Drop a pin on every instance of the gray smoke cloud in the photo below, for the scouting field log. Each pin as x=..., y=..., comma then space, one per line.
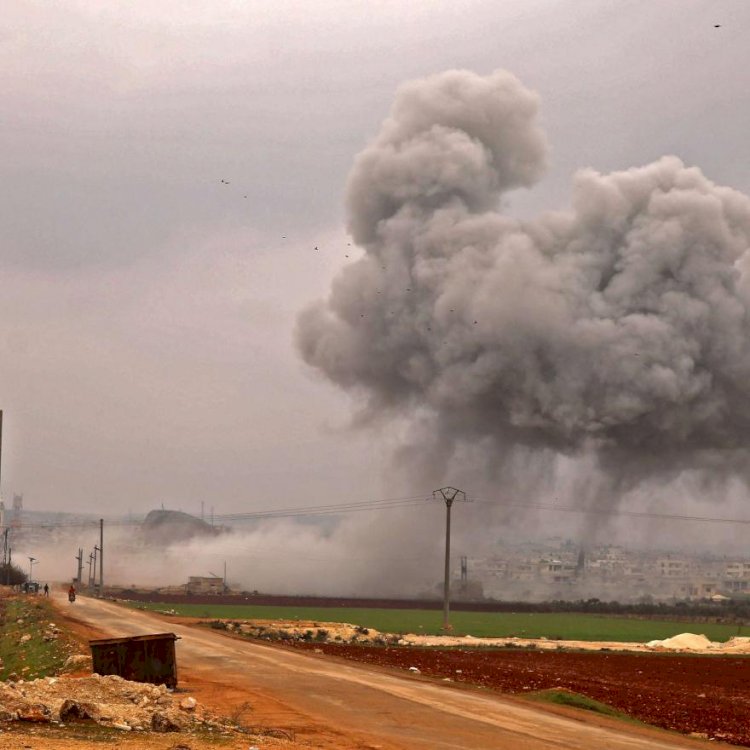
x=616, y=327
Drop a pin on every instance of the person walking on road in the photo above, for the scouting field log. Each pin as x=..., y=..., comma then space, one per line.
x=46, y=589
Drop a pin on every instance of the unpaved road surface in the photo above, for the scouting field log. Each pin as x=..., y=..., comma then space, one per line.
x=332, y=704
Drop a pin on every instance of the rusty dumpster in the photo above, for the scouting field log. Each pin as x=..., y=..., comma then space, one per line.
x=141, y=658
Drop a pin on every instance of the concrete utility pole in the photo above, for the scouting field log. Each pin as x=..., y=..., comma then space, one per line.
x=96, y=559
x=79, y=567
x=92, y=567
x=32, y=560
x=448, y=494
x=1, y=451
x=101, y=557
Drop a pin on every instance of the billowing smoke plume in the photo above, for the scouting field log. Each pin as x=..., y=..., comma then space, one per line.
x=618, y=326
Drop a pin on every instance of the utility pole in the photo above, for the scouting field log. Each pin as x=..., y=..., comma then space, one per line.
x=92, y=564
x=32, y=560
x=1, y=451
x=96, y=558
x=79, y=567
x=449, y=495
x=101, y=557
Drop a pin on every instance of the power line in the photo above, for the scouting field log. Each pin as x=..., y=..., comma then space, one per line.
x=630, y=513
x=395, y=503
x=328, y=509
x=290, y=512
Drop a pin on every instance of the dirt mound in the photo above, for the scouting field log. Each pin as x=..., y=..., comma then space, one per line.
x=692, y=642
x=683, y=642
x=303, y=630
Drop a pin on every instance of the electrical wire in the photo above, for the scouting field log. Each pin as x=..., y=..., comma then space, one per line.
x=328, y=509
x=628, y=513
x=395, y=503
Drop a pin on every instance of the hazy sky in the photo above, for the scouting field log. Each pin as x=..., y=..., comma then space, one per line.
x=147, y=308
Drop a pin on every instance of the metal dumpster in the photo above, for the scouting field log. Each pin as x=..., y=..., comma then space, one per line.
x=142, y=658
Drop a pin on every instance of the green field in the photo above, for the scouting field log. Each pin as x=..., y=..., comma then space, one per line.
x=566, y=626
x=35, y=657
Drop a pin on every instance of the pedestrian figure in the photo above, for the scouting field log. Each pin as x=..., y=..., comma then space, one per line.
x=46, y=590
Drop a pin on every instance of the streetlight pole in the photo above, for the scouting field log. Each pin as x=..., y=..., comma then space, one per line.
x=449, y=495
x=32, y=560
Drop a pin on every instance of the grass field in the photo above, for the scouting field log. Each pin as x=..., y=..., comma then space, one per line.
x=568, y=626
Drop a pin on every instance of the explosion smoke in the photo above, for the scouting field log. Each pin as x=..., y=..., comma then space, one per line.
x=619, y=326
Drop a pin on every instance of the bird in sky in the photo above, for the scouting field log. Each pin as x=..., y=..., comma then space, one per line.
x=224, y=182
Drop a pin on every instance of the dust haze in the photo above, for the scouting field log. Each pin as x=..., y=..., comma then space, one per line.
x=596, y=356
x=604, y=344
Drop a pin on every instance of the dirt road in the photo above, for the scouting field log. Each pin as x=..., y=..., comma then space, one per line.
x=333, y=704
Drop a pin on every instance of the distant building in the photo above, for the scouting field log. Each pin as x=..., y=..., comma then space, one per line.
x=670, y=567
x=738, y=570
x=204, y=585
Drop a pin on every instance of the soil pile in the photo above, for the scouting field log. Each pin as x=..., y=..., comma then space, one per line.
x=699, y=643
x=683, y=642
x=304, y=630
